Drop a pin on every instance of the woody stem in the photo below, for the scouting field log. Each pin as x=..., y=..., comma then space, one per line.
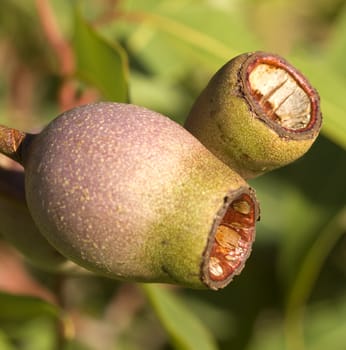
x=10, y=142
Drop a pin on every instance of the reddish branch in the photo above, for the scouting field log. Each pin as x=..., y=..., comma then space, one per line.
x=60, y=46
x=68, y=94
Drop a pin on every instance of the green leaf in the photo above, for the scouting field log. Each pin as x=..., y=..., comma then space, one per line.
x=39, y=333
x=4, y=342
x=185, y=329
x=304, y=198
x=332, y=89
x=314, y=259
x=155, y=93
x=169, y=37
x=323, y=327
x=326, y=325
x=336, y=50
x=21, y=307
x=100, y=63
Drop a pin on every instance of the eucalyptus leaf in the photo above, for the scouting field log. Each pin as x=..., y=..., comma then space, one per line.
x=4, y=342
x=337, y=45
x=100, y=63
x=154, y=94
x=324, y=327
x=171, y=37
x=22, y=307
x=185, y=329
x=303, y=198
x=38, y=333
x=332, y=89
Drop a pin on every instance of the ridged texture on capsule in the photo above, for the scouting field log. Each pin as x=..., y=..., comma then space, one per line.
x=256, y=114
x=128, y=193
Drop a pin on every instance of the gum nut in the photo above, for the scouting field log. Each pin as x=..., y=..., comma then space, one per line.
x=256, y=114
x=129, y=194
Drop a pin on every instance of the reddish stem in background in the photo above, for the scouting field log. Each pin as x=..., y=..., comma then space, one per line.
x=68, y=95
x=61, y=49
x=58, y=43
x=15, y=279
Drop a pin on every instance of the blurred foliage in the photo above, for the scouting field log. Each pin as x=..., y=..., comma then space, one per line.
x=292, y=293
x=102, y=56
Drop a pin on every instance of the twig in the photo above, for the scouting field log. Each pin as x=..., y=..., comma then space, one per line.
x=59, y=45
x=68, y=94
x=10, y=142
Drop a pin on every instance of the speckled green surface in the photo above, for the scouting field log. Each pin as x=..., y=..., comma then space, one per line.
x=126, y=192
x=226, y=123
x=187, y=220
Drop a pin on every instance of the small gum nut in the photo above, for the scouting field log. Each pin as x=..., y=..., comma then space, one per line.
x=256, y=114
x=17, y=226
x=129, y=194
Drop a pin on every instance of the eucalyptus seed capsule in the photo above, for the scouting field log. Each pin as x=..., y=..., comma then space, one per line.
x=129, y=194
x=256, y=114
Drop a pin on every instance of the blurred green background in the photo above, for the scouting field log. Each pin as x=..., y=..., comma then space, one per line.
x=160, y=54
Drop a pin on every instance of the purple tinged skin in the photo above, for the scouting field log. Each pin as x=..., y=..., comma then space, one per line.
x=17, y=226
x=129, y=194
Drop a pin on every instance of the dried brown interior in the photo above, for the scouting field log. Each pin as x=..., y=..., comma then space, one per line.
x=233, y=239
x=280, y=96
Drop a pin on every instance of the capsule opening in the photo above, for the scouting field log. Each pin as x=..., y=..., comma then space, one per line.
x=280, y=96
x=284, y=95
x=233, y=239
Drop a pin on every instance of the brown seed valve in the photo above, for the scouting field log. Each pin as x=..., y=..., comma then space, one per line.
x=233, y=239
x=282, y=93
